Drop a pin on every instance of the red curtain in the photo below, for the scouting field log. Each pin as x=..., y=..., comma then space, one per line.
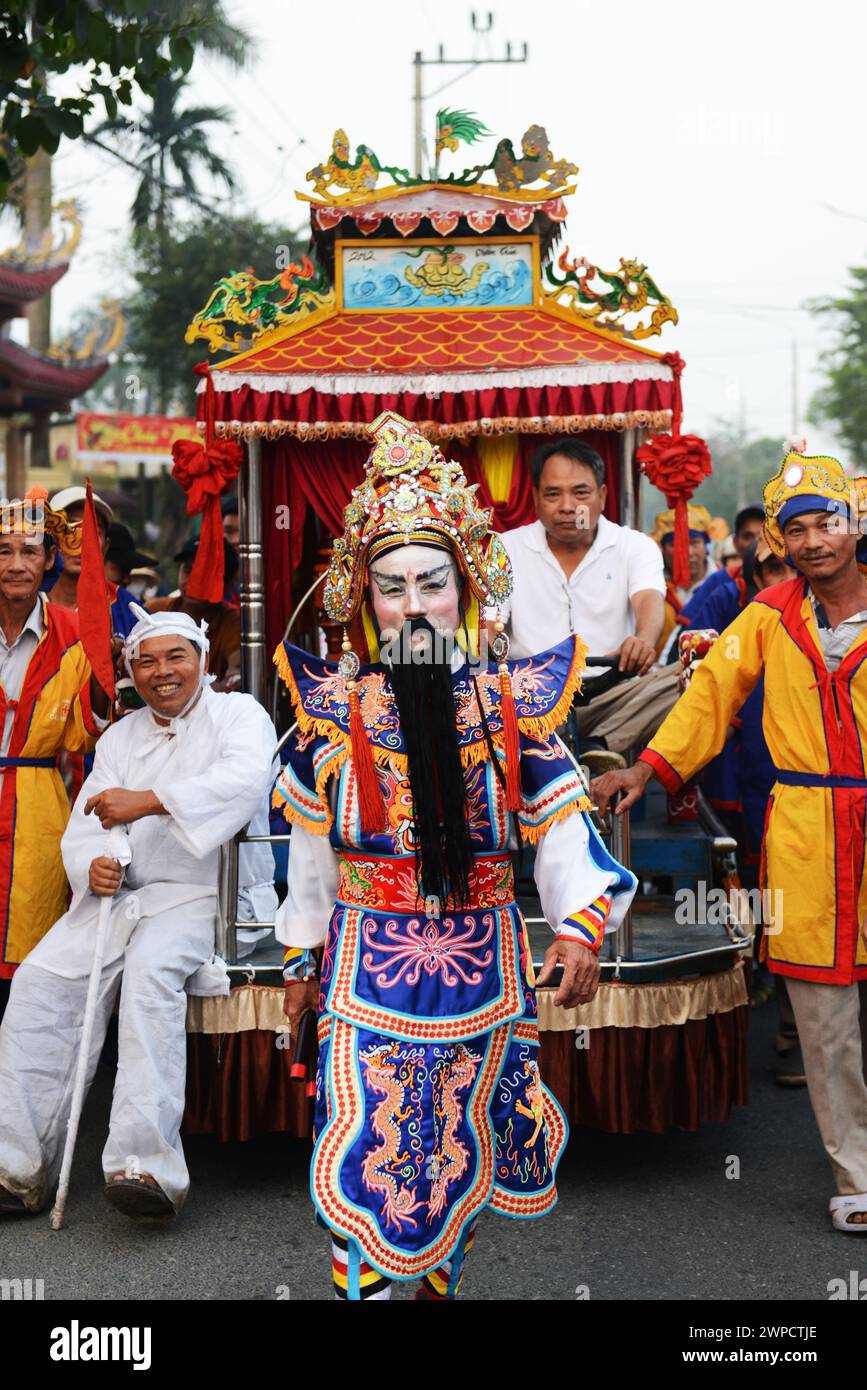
x=449, y=408
x=518, y=508
x=297, y=476
x=321, y=476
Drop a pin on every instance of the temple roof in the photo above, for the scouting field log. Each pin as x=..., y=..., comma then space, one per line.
x=28, y=380
x=21, y=285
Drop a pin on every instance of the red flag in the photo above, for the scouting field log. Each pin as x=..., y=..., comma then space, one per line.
x=94, y=608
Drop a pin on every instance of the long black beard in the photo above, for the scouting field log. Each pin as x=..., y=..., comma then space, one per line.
x=425, y=701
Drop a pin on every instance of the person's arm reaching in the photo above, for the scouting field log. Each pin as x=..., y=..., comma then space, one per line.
x=638, y=652
x=696, y=729
x=577, y=882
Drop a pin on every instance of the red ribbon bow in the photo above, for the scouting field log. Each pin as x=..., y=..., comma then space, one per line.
x=676, y=463
x=205, y=472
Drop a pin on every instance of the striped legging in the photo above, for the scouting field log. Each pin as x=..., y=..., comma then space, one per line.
x=356, y=1280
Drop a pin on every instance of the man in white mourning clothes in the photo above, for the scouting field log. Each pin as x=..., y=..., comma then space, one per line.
x=181, y=777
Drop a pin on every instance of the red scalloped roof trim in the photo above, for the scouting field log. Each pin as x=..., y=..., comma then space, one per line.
x=436, y=340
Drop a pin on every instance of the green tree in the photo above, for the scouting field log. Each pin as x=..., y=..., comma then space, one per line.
x=174, y=274
x=116, y=44
x=842, y=402
x=169, y=141
x=215, y=33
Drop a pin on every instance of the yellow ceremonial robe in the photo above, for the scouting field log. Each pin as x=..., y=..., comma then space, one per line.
x=815, y=725
x=52, y=713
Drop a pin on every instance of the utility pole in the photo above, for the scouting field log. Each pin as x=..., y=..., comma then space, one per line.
x=441, y=61
x=795, y=404
x=742, y=446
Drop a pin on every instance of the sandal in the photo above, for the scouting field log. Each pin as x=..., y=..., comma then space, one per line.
x=140, y=1197
x=10, y=1205
x=842, y=1207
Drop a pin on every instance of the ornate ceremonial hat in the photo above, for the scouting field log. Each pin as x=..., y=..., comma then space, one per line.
x=699, y=520
x=805, y=483
x=412, y=494
x=32, y=513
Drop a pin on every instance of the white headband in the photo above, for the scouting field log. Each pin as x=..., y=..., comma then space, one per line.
x=168, y=624
x=165, y=624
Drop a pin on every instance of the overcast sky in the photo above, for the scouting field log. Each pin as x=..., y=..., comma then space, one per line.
x=713, y=142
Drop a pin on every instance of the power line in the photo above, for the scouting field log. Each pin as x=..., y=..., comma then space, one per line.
x=252, y=115
x=839, y=212
x=441, y=61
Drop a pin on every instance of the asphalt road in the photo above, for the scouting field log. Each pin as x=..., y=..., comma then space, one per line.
x=641, y=1217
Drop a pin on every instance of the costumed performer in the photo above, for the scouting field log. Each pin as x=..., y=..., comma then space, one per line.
x=407, y=784
x=808, y=636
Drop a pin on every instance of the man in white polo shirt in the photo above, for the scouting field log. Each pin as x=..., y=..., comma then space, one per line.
x=576, y=571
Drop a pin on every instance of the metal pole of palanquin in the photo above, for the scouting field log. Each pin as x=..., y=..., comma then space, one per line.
x=628, y=501
x=253, y=664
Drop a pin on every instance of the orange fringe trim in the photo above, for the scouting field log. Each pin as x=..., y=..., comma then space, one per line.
x=536, y=726
x=329, y=769
x=311, y=431
x=532, y=834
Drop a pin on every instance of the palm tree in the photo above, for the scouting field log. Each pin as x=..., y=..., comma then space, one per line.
x=170, y=141
x=213, y=33
x=168, y=138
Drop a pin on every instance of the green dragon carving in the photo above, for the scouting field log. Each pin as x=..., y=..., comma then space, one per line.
x=629, y=291
x=243, y=300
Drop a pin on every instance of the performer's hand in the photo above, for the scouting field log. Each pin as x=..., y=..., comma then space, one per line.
x=580, y=972
x=116, y=806
x=636, y=656
x=298, y=997
x=105, y=876
x=631, y=781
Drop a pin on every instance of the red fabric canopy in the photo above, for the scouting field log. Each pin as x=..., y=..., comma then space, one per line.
x=510, y=403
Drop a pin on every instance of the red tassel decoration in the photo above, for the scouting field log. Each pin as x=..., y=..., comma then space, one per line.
x=370, y=800
x=511, y=743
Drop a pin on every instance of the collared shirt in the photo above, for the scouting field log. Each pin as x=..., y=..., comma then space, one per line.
x=836, y=641
x=593, y=601
x=14, y=659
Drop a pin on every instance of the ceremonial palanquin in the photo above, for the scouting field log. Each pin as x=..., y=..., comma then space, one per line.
x=454, y=299
x=440, y=297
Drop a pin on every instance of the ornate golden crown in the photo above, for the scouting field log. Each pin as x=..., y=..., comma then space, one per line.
x=411, y=493
x=810, y=475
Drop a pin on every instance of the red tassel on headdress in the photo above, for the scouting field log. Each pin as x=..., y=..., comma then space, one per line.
x=511, y=743
x=370, y=803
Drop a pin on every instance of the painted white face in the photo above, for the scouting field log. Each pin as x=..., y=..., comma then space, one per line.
x=415, y=581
